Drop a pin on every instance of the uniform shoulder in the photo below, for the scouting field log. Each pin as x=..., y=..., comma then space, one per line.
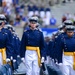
x=25, y=30
x=40, y=30
x=6, y=33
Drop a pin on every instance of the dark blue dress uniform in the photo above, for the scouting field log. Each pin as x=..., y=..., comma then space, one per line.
x=52, y=50
x=16, y=55
x=67, y=44
x=49, y=48
x=16, y=46
x=5, y=45
x=9, y=34
x=58, y=47
x=32, y=38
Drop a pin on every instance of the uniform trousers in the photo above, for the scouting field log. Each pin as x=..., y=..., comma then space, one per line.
x=1, y=61
x=68, y=64
x=31, y=62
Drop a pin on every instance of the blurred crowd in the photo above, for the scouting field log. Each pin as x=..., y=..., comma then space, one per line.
x=18, y=14
x=68, y=16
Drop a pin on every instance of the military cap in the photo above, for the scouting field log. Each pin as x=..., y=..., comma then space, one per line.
x=2, y=18
x=33, y=19
x=70, y=28
x=9, y=27
x=60, y=27
x=68, y=22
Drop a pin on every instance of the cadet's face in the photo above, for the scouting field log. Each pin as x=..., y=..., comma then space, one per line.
x=33, y=25
x=70, y=33
x=2, y=25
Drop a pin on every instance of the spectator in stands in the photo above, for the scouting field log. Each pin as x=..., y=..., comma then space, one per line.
x=17, y=21
x=30, y=11
x=0, y=2
x=24, y=21
x=7, y=3
x=63, y=18
x=67, y=1
x=53, y=20
x=11, y=22
x=46, y=21
x=40, y=21
x=48, y=12
x=68, y=16
x=8, y=11
x=15, y=1
x=42, y=12
x=17, y=7
x=36, y=10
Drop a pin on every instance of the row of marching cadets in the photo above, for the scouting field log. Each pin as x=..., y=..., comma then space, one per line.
x=62, y=49
x=9, y=47
x=32, y=49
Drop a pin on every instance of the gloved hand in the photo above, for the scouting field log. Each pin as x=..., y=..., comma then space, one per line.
x=42, y=60
x=7, y=60
x=23, y=59
x=14, y=60
x=18, y=56
x=60, y=64
x=11, y=58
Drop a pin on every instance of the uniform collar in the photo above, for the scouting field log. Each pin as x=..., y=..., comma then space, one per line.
x=33, y=29
x=69, y=37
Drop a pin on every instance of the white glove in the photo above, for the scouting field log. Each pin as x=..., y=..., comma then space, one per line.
x=60, y=64
x=23, y=60
x=11, y=58
x=14, y=60
x=18, y=56
x=7, y=60
x=42, y=60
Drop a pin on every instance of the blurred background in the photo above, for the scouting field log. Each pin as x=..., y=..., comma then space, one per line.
x=51, y=13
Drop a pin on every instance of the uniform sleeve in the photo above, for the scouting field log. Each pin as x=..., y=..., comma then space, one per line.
x=18, y=46
x=42, y=46
x=59, y=49
x=9, y=48
x=10, y=35
x=23, y=46
x=50, y=47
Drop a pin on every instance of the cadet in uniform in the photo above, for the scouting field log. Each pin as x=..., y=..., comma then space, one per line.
x=32, y=48
x=60, y=35
x=67, y=45
x=5, y=45
x=16, y=45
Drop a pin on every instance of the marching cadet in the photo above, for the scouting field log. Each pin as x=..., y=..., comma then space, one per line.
x=16, y=45
x=15, y=40
x=60, y=35
x=32, y=48
x=5, y=45
x=51, y=48
x=66, y=48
